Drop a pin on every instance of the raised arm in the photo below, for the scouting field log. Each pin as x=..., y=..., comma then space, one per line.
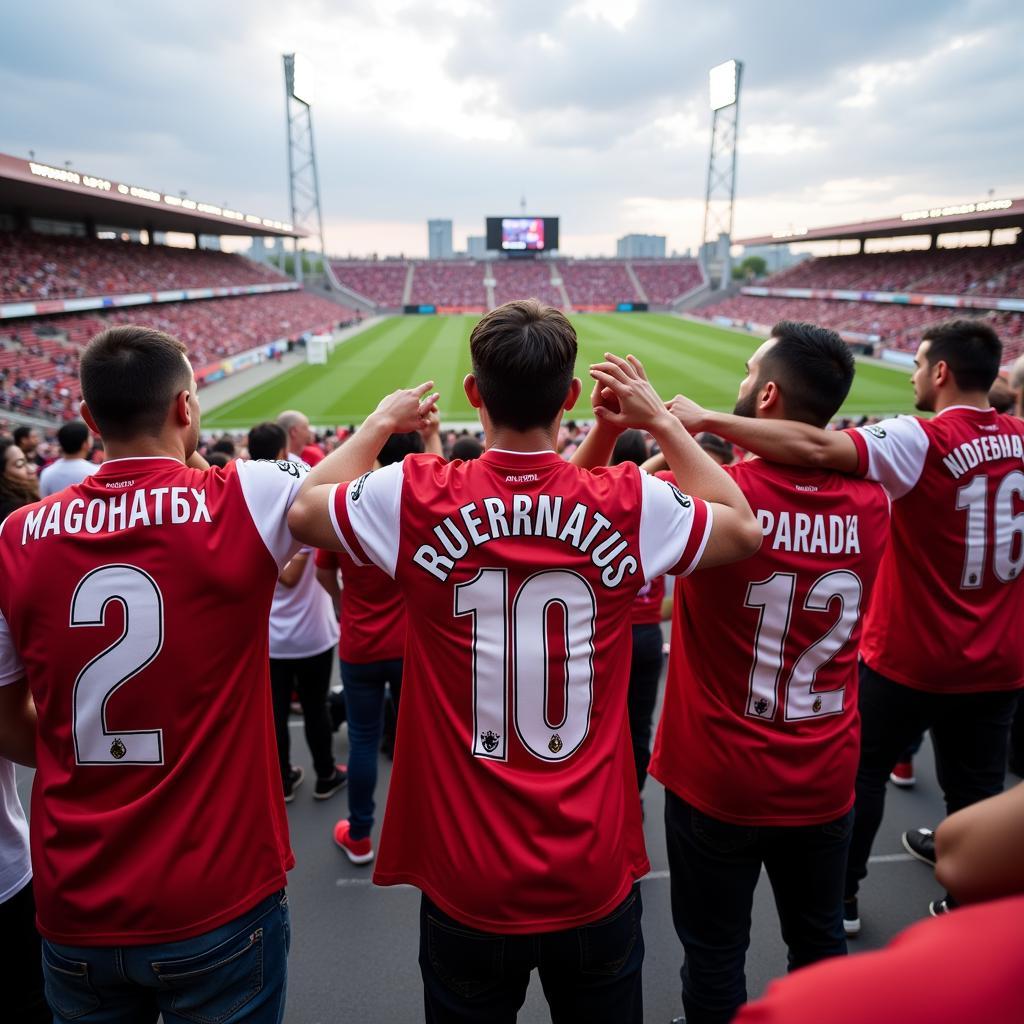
x=597, y=447
x=309, y=518
x=735, y=532
x=785, y=441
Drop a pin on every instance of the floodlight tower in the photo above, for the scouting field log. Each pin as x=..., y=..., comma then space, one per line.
x=303, y=179
x=724, y=81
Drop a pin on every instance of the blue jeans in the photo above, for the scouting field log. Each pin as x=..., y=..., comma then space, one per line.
x=592, y=973
x=364, y=707
x=235, y=973
x=715, y=867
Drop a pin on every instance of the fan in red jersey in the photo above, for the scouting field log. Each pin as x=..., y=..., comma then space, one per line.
x=513, y=802
x=158, y=830
x=943, y=648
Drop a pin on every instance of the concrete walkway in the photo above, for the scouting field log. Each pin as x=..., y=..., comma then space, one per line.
x=229, y=388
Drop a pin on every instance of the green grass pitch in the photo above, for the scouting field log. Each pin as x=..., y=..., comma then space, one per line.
x=700, y=360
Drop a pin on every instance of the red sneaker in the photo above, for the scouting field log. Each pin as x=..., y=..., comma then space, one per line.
x=903, y=774
x=359, y=851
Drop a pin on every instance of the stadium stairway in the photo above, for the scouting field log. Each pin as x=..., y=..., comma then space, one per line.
x=407, y=291
x=489, y=283
x=631, y=273
x=556, y=280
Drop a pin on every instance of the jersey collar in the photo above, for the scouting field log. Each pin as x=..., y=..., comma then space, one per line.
x=965, y=408
x=501, y=457
x=135, y=464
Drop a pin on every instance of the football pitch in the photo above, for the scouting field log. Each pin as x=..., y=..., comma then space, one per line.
x=700, y=360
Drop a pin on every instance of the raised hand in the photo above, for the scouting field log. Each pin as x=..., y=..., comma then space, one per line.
x=624, y=383
x=688, y=412
x=407, y=409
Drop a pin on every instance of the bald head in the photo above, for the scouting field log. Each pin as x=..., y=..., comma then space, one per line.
x=296, y=425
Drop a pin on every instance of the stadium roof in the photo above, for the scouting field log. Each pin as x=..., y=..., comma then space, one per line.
x=39, y=190
x=986, y=215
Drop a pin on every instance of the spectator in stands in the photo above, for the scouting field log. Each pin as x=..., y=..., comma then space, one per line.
x=303, y=632
x=466, y=448
x=18, y=483
x=74, y=466
x=296, y=426
x=224, y=445
x=717, y=447
x=27, y=439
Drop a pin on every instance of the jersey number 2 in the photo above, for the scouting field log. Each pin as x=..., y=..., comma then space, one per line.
x=486, y=598
x=138, y=645
x=773, y=598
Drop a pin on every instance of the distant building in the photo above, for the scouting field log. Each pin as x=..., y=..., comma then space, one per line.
x=439, y=235
x=641, y=247
x=476, y=247
x=776, y=257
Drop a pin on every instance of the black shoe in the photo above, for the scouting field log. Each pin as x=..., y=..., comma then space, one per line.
x=851, y=917
x=921, y=844
x=295, y=777
x=328, y=787
x=939, y=907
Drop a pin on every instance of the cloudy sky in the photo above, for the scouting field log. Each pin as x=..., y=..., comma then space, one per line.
x=594, y=110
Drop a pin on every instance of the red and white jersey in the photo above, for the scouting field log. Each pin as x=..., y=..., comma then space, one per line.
x=648, y=602
x=372, y=610
x=950, y=598
x=964, y=966
x=513, y=800
x=137, y=603
x=760, y=723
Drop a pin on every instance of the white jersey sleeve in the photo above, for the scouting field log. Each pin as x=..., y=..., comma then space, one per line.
x=367, y=515
x=674, y=529
x=269, y=488
x=896, y=453
x=11, y=668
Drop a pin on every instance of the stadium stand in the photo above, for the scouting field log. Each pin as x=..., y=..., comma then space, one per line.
x=997, y=270
x=35, y=266
x=449, y=284
x=39, y=355
x=664, y=281
x=597, y=283
x=518, y=279
x=382, y=283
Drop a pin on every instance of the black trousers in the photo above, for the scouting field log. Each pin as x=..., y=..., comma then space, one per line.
x=310, y=678
x=21, y=971
x=591, y=973
x=644, y=673
x=969, y=732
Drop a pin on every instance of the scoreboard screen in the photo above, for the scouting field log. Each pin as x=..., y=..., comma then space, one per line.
x=523, y=234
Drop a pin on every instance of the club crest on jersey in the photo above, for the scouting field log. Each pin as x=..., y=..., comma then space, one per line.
x=357, y=487
x=816, y=706
x=760, y=705
x=878, y=432
x=555, y=743
x=118, y=749
x=286, y=466
x=683, y=499
x=489, y=741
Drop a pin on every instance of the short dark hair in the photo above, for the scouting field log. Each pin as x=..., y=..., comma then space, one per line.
x=225, y=445
x=72, y=436
x=397, y=446
x=813, y=367
x=20, y=433
x=630, y=446
x=266, y=441
x=523, y=358
x=129, y=376
x=218, y=460
x=970, y=348
x=466, y=449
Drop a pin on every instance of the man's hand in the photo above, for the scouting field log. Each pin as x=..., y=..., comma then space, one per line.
x=431, y=433
x=689, y=413
x=638, y=402
x=604, y=398
x=407, y=409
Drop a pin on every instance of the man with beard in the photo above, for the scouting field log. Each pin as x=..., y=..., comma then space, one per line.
x=758, y=740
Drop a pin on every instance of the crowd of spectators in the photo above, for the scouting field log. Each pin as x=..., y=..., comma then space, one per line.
x=36, y=267
x=663, y=281
x=381, y=282
x=39, y=355
x=444, y=283
x=996, y=270
x=597, y=282
x=517, y=278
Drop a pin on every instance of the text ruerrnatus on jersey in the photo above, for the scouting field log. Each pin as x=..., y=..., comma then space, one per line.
x=587, y=531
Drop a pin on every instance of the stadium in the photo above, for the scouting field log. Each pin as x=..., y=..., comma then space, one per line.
x=279, y=331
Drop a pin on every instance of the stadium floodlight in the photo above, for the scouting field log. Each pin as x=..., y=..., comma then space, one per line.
x=724, y=84
x=724, y=81
x=303, y=178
